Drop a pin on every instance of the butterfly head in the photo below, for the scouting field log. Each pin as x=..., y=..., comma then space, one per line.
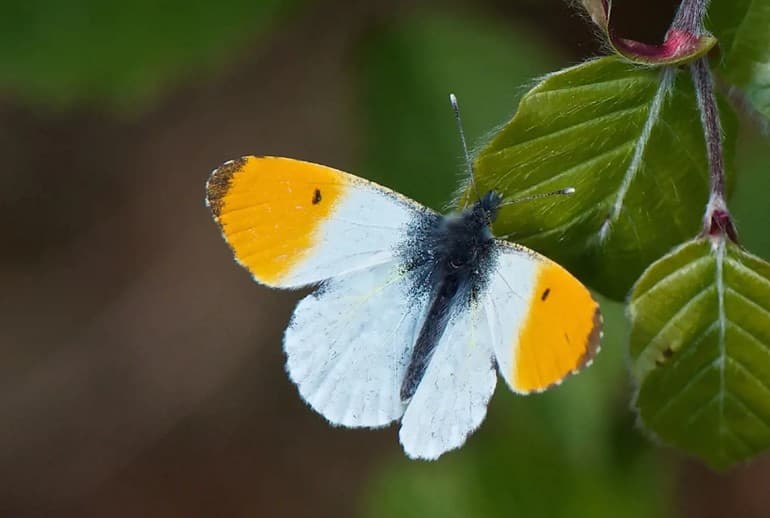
x=486, y=208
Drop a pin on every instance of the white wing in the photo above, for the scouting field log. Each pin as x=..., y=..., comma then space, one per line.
x=509, y=294
x=349, y=343
x=544, y=322
x=293, y=223
x=451, y=399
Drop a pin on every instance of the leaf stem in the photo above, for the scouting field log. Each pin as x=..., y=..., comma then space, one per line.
x=717, y=220
x=689, y=17
x=704, y=87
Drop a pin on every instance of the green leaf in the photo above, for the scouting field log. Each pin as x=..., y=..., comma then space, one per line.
x=120, y=53
x=700, y=344
x=629, y=140
x=743, y=29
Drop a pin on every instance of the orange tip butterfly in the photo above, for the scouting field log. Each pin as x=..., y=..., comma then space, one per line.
x=413, y=311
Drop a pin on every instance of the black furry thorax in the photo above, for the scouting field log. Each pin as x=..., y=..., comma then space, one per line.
x=452, y=245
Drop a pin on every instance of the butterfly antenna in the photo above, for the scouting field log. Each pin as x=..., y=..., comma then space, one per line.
x=559, y=192
x=468, y=163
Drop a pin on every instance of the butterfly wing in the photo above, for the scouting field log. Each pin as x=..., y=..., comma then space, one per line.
x=293, y=223
x=349, y=343
x=451, y=399
x=544, y=323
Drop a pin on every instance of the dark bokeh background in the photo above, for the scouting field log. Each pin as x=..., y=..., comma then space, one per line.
x=140, y=369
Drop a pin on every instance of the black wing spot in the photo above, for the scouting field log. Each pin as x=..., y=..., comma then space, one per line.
x=545, y=294
x=317, y=197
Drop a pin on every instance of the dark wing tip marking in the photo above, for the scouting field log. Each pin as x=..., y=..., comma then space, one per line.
x=219, y=183
x=594, y=339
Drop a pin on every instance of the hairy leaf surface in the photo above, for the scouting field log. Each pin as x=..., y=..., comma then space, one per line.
x=629, y=140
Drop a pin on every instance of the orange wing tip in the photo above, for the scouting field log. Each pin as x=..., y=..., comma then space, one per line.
x=560, y=334
x=271, y=211
x=219, y=182
x=593, y=347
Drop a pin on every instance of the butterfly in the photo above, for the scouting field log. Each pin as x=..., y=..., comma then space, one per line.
x=413, y=311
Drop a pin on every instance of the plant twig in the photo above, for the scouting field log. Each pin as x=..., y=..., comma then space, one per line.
x=704, y=87
x=689, y=17
x=717, y=220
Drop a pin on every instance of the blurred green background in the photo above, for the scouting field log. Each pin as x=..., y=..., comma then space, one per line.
x=141, y=371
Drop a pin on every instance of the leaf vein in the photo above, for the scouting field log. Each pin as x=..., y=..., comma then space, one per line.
x=572, y=169
x=683, y=389
x=695, y=415
x=606, y=82
x=692, y=347
x=722, y=319
x=750, y=271
x=681, y=313
x=669, y=276
x=666, y=81
x=750, y=411
x=568, y=129
x=751, y=335
x=748, y=373
x=749, y=301
x=558, y=228
x=728, y=430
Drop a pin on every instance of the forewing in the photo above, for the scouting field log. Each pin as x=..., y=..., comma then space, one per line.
x=349, y=343
x=293, y=223
x=451, y=399
x=545, y=323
